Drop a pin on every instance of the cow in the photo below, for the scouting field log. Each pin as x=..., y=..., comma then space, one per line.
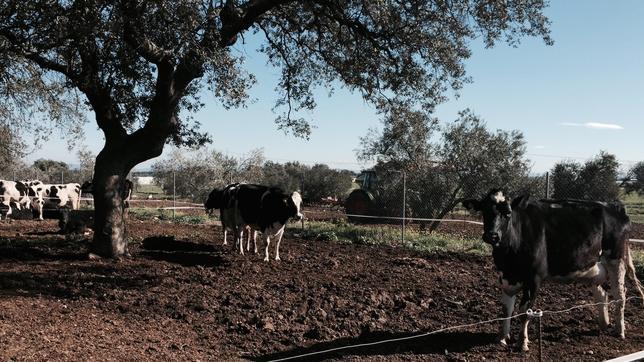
x=560, y=240
x=36, y=191
x=224, y=201
x=14, y=192
x=266, y=209
x=126, y=193
x=54, y=195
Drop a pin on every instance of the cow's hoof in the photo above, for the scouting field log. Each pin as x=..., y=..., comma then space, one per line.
x=524, y=346
x=266, y=259
x=505, y=340
x=225, y=243
x=277, y=258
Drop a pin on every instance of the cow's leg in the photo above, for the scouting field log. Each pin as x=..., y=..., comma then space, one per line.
x=508, y=299
x=225, y=234
x=527, y=301
x=277, y=245
x=616, y=274
x=601, y=298
x=239, y=234
x=508, y=308
x=267, y=240
x=250, y=234
x=255, y=240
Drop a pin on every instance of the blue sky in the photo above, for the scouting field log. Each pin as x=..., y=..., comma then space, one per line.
x=570, y=100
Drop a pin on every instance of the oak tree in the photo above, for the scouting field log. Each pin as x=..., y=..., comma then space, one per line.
x=137, y=64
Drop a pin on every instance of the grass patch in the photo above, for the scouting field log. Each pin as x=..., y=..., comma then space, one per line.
x=149, y=189
x=166, y=215
x=385, y=235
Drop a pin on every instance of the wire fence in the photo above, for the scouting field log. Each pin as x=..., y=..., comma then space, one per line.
x=536, y=315
x=376, y=196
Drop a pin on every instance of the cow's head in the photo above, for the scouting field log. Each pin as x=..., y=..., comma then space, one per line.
x=496, y=212
x=295, y=205
x=214, y=201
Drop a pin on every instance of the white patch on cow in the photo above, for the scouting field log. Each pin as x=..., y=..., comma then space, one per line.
x=297, y=200
x=498, y=197
x=595, y=275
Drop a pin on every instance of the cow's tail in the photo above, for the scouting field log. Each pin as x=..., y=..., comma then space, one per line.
x=630, y=273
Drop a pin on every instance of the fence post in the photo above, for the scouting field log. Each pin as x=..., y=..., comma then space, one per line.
x=547, y=185
x=174, y=194
x=404, y=206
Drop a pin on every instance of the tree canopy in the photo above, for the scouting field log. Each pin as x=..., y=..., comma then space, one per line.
x=138, y=64
x=132, y=59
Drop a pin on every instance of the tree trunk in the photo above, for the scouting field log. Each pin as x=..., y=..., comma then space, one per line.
x=110, y=232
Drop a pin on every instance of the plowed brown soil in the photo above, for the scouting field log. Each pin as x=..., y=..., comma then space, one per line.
x=183, y=296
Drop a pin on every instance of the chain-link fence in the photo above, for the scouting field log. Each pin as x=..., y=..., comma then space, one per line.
x=385, y=196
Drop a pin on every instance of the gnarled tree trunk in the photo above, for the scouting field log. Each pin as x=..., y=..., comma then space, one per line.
x=110, y=229
x=113, y=164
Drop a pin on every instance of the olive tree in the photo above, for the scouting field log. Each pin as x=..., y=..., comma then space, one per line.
x=137, y=64
x=194, y=175
x=442, y=165
x=635, y=179
x=596, y=179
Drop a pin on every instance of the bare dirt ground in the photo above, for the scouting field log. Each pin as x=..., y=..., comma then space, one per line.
x=183, y=296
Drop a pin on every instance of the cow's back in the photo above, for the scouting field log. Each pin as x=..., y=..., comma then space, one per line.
x=248, y=203
x=573, y=235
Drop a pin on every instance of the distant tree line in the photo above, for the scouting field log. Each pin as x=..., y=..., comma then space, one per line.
x=193, y=175
x=48, y=170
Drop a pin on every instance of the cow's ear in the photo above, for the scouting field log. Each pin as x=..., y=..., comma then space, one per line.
x=520, y=201
x=472, y=204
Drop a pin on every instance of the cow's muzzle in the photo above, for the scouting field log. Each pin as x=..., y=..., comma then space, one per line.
x=492, y=238
x=298, y=217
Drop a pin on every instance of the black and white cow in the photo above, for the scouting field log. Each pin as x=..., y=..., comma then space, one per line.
x=563, y=240
x=126, y=193
x=14, y=192
x=266, y=209
x=56, y=196
x=36, y=190
x=223, y=200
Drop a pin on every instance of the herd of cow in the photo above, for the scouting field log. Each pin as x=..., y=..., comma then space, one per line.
x=532, y=240
x=33, y=194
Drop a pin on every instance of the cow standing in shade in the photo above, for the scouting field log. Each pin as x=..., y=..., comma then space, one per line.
x=14, y=192
x=224, y=200
x=564, y=240
x=56, y=196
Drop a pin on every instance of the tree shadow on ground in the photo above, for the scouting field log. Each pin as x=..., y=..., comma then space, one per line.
x=185, y=253
x=44, y=250
x=169, y=243
x=436, y=344
x=73, y=281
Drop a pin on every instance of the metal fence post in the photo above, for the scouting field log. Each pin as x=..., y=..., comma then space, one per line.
x=547, y=185
x=404, y=206
x=174, y=194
